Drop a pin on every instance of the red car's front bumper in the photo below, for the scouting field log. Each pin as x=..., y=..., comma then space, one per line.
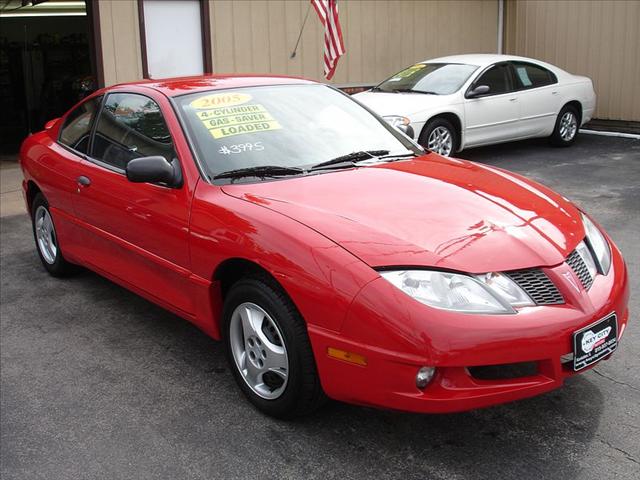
x=397, y=335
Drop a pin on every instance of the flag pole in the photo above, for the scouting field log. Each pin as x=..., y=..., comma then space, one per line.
x=293, y=54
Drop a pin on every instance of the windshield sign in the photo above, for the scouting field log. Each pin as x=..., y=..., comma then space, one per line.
x=281, y=126
x=431, y=78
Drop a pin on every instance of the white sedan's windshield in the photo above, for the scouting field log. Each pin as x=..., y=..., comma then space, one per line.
x=281, y=125
x=433, y=78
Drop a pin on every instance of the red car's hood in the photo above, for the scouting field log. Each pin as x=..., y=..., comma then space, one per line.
x=429, y=211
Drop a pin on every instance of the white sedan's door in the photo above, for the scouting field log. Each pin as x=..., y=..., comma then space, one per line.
x=539, y=97
x=493, y=117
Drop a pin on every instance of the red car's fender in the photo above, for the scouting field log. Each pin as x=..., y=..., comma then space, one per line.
x=320, y=277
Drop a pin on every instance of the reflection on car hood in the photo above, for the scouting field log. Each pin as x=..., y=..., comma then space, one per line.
x=429, y=211
x=405, y=104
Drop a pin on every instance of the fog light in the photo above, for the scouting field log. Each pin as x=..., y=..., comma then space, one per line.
x=424, y=376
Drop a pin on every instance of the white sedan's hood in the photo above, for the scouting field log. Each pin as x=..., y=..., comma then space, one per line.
x=405, y=104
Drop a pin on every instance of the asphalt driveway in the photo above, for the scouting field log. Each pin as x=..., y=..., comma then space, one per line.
x=98, y=383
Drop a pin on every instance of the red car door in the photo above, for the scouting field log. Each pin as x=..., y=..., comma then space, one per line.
x=55, y=161
x=136, y=232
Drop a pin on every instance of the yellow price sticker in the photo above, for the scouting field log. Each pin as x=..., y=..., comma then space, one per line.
x=220, y=100
x=228, y=114
x=230, y=130
x=409, y=71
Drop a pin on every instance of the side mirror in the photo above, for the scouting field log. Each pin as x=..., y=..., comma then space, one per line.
x=154, y=170
x=51, y=123
x=479, y=90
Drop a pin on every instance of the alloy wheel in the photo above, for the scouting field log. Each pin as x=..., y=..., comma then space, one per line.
x=568, y=126
x=259, y=350
x=46, y=235
x=440, y=141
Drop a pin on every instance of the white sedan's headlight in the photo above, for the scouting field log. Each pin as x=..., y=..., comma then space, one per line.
x=489, y=293
x=599, y=245
x=397, y=121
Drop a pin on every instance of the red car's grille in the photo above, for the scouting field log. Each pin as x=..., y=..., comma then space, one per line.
x=537, y=285
x=580, y=269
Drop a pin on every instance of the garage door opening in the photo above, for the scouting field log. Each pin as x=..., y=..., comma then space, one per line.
x=47, y=63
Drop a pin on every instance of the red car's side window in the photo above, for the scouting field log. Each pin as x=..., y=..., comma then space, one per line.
x=131, y=126
x=76, y=131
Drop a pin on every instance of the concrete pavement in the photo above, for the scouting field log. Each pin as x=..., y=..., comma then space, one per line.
x=11, y=202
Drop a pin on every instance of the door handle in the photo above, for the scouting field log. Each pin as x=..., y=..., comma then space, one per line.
x=554, y=93
x=513, y=99
x=83, y=181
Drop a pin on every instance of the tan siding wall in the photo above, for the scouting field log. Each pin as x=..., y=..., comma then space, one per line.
x=381, y=36
x=596, y=38
x=120, y=36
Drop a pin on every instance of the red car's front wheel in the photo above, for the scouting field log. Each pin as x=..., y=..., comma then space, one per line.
x=268, y=349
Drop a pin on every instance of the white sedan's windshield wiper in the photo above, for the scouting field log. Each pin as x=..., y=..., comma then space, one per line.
x=349, y=159
x=260, y=171
x=411, y=90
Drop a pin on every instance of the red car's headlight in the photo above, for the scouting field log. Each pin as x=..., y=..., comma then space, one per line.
x=505, y=288
x=599, y=245
x=490, y=293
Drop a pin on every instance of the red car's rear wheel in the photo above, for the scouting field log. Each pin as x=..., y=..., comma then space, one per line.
x=47, y=244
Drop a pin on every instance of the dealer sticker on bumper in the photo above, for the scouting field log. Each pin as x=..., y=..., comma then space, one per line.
x=594, y=342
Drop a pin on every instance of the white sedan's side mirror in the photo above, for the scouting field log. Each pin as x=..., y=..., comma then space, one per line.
x=478, y=91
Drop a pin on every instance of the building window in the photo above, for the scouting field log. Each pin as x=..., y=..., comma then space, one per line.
x=175, y=37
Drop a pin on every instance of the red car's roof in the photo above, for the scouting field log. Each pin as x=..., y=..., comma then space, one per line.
x=172, y=87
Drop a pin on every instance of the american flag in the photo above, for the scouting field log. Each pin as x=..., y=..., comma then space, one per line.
x=333, y=44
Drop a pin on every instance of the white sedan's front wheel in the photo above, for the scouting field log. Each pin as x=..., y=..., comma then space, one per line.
x=439, y=136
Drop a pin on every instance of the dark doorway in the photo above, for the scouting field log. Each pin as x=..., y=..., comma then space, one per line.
x=47, y=64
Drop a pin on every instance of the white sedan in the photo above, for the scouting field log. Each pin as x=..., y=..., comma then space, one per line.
x=461, y=101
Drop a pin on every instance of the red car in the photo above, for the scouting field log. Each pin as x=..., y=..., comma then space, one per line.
x=331, y=254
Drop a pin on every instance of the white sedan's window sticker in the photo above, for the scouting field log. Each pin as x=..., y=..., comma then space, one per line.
x=407, y=72
x=524, y=76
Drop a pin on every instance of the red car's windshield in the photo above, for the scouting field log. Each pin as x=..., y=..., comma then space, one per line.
x=286, y=126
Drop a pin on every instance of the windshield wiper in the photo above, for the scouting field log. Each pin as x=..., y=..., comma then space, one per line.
x=260, y=171
x=399, y=155
x=409, y=90
x=350, y=159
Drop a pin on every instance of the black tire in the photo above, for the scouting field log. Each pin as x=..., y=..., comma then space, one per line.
x=557, y=138
x=303, y=393
x=59, y=267
x=435, y=123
